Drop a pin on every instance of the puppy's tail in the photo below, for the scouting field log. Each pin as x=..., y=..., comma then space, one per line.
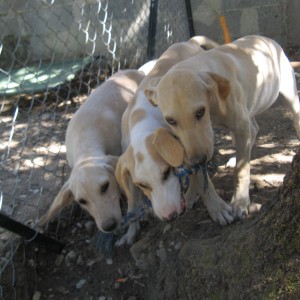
x=204, y=42
x=295, y=64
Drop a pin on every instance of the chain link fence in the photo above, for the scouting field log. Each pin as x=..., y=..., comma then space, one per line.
x=52, y=54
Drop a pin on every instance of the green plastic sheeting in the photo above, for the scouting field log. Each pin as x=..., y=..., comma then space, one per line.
x=40, y=78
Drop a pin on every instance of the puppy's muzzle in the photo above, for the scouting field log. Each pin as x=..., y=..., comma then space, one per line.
x=199, y=160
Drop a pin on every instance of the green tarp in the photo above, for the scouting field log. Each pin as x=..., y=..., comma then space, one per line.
x=39, y=78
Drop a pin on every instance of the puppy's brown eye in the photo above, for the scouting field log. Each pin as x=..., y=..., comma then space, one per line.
x=82, y=202
x=143, y=186
x=166, y=174
x=199, y=113
x=171, y=121
x=104, y=187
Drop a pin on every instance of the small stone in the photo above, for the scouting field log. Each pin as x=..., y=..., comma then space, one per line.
x=80, y=284
x=16, y=168
x=117, y=285
x=7, y=209
x=166, y=228
x=63, y=290
x=178, y=246
x=45, y=116
x=91, y=262
x=80, y=261
x=70, y=257
x=79, y=225
x=89, y=227
x=59, y=260
x=109, y=261
x=161, y=253
x=37, y=295
x=31, y=263
x=102, y=298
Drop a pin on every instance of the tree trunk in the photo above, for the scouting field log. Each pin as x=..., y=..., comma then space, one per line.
x=258, y=259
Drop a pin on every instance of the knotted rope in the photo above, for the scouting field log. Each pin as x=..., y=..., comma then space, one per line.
x=135, y=215
x=183, y=172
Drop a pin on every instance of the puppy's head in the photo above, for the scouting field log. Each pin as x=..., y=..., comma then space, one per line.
x=92, y=184
x=187, y=101
x=149, y=166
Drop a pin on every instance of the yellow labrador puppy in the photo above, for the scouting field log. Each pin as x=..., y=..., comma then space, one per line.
x=226, y=86
x=93, y=142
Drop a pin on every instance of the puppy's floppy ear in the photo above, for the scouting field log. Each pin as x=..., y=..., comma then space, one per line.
x=111, y=163
x=223, y=85
x=150, y=90
x=168, y=147
x=63, y=199
x=123, y=176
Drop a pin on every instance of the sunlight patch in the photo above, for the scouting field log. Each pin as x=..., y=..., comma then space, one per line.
x=269, y=179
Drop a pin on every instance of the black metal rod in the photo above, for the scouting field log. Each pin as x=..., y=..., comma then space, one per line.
x=152, y=29
x=189, y=13
x=30, y=234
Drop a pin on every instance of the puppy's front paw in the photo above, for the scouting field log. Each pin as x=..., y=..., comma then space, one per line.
x=129, y=236
x=240, y=207
x=239, y=211
x=220, y=211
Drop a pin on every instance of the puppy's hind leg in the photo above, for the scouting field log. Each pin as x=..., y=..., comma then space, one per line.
x=288, y=91
x=254, y=129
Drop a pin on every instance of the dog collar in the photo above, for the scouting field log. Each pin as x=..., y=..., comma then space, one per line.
x=184, y=171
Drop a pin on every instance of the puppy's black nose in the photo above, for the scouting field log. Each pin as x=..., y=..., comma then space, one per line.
x=199, y=160
x=109, y=225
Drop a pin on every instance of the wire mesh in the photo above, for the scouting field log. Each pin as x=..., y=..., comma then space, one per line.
x=52, y=54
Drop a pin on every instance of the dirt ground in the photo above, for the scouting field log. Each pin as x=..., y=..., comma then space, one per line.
x=137, y=272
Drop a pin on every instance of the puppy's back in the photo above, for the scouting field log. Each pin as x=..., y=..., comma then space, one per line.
x=95, y=128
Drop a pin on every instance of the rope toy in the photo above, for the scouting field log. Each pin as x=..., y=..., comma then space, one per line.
x=135, y=215
x=104, y=241
x=184, y=171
